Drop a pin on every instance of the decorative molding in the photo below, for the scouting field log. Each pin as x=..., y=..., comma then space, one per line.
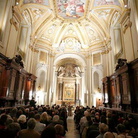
x=125, y=15
x=125, y=20
x=106, y=51
x=1, y=44
x=127, y=25
x=14, y=22
x=17, y=13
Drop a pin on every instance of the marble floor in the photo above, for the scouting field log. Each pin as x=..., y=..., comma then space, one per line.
x=72, y=131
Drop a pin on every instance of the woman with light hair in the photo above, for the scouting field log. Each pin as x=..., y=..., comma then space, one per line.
x=103, y=128
x=56, y=118
x=110, y=135
x=83, y=121
x=45, y=118
x=22, y=121
x=29, y=132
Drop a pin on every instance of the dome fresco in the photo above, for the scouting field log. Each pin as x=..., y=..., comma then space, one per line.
x=84, y=23
x=106, y=2
x=71, y=8
x=44, y=2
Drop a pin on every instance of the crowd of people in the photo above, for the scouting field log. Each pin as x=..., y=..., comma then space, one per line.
x=34, y=122
x=102, y=123
x=51, y=122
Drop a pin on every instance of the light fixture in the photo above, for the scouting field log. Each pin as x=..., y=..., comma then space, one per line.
x=125, y=6
x=99, y=90
x=39, y=87
x=17, y=2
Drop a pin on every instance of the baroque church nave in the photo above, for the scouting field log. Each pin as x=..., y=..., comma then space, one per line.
x=67, y=52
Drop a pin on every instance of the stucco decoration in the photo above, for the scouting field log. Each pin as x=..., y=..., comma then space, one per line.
x=104, y=14
x=26, y=16
x=69, y=70
x=92, y=34
x=37, y=13
x=69, y=43
x=70, y=31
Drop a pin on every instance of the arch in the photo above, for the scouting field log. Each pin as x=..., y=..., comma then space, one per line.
x=79, y=58
x=99, y=70
x=41, y=79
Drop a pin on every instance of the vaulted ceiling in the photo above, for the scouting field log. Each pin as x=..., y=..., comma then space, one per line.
x=71, y=25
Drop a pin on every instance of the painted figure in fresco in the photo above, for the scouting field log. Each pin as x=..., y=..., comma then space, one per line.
x=71, y=11
x=29, y=1
x=80, y=6
x=71, y=8
x=74, y=7
x=61, y=6
x=39, y=1
x=36, y=1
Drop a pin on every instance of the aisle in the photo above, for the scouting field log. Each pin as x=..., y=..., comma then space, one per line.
x=72, y=131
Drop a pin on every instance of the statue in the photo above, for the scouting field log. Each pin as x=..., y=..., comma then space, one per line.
x=18, y=60
x=121, y=62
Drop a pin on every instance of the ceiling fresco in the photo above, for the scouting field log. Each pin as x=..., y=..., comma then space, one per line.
x=106, y=2
x=71, y=8
x=44, y=2
x=71, y=25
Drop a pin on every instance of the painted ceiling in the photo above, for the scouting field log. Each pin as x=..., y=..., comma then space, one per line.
x=71, y=25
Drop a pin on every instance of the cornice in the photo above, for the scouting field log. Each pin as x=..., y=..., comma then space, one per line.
x=17, y=13
x=125, y=14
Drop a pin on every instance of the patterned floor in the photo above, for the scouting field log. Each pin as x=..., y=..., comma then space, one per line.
x=72, y=131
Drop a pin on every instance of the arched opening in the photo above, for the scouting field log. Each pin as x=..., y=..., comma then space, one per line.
x=69, y=79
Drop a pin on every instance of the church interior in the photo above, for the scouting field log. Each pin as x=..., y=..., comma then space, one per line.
x=69, y=52
x=74, y=60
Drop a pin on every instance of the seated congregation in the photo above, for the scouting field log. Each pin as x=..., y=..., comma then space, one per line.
x=104, y=123
x=51, y=122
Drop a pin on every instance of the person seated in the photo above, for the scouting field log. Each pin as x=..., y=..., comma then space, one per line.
x=92, y=134
x=3, y=119
x=8, y=121
x=12, y=130
x=122, y=131
x=109, y=135
x=83, y=121
x=39, y=127
x=29, y=132
x=22, y=121
x=102, y=129
x=56, y=120
x=45, y=118
x=48, y=132
x=60, y=132
x=86, y=126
